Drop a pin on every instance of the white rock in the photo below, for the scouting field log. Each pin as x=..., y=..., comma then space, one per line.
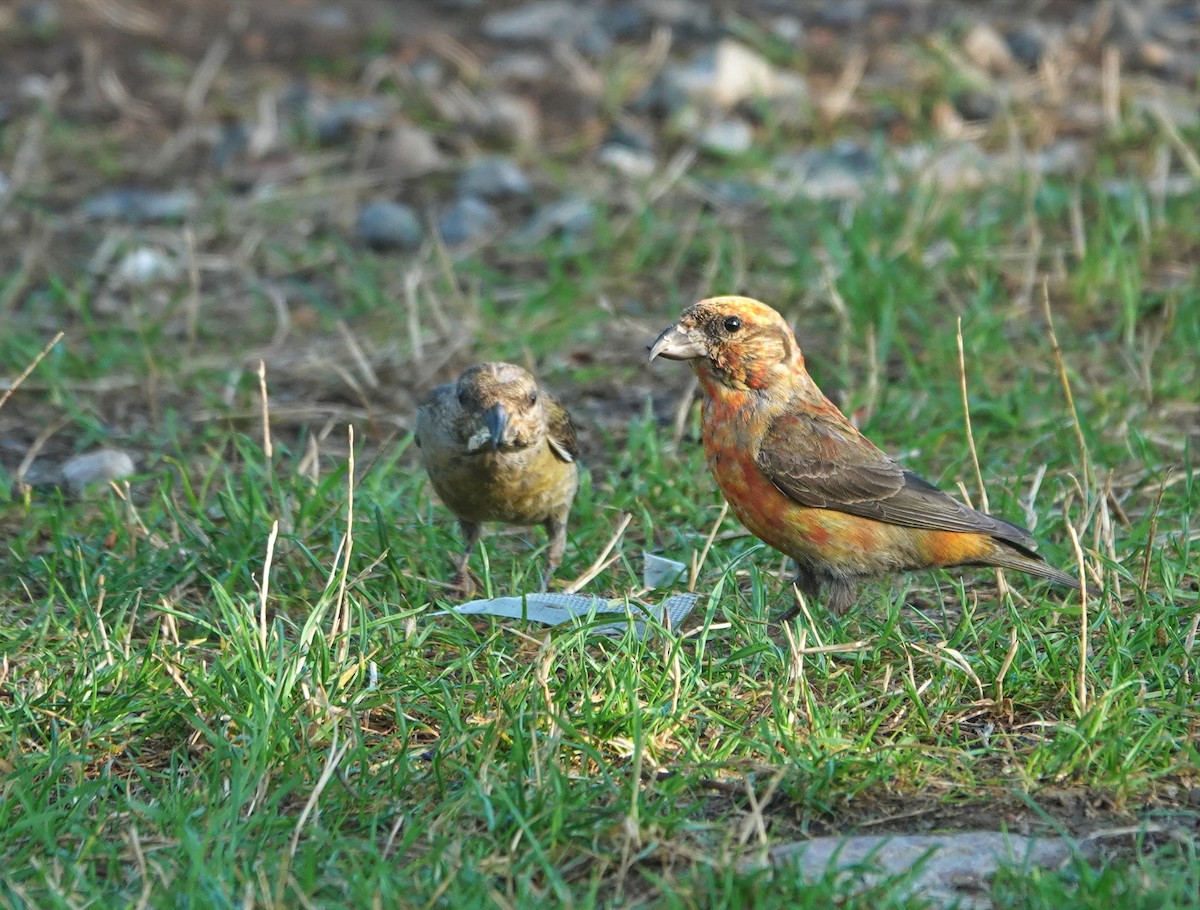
x=145, y=265
x=987, y=49
x=627, y=160
x=740, y=74
x=729, y=136
x=99, y=466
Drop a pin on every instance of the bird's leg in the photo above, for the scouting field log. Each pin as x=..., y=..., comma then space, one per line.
x=462, y=583
x=840, y=596
x=556, y=530
x=809, y=584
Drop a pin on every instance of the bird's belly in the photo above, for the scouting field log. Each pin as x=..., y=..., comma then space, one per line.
x=513, y=487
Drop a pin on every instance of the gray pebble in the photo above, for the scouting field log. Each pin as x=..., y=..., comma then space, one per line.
x=541, y=20
x=842, y=171
x=468, y=219
x=943, y=870
x=140, y=205
x=1027, y=46
x=386, y=225
x=571, y=217
x=338, y=121
x=42, y=17
x=495, y=177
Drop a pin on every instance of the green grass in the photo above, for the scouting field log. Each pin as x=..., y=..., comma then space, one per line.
x=162, y=742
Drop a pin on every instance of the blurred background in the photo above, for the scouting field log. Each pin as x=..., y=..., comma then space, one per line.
x=368, y=195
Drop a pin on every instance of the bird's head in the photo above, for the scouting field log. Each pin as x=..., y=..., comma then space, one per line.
x=735, y=342
x=499, y=407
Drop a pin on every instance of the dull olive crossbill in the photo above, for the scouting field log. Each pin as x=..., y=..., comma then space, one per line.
x=802, y=478
x=497, y=447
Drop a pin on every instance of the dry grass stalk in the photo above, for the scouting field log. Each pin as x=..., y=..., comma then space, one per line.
x=602, y=561
x=16, y=383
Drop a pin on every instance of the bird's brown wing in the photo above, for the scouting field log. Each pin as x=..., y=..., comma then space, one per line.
x=821, y=462
x=564, y=439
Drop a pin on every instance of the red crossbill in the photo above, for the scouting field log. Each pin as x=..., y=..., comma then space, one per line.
x=497, y=447
x=802, y=478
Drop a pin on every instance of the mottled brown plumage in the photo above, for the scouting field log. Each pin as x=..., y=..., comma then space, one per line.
x=802, y=478
x=497, y=447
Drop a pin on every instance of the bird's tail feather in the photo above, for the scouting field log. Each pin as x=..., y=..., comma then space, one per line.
x=1006, y=558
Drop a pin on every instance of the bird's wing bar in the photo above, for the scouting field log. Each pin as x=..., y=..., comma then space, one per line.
x=818, y=465
x=564, y=438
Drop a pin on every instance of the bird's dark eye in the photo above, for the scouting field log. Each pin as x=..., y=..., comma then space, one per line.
x=732, y=323
x=533, y=397
x=462, y=397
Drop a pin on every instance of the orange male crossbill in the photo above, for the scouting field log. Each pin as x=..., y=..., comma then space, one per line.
x=799, y=475
x=498, y=447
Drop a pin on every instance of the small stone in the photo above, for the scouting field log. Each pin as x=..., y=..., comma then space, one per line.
x=631, y=136
x=231, y=143
x=973, y=105
x=593, y=42
x=1066, y=156
x=1027, y=45
x=413, y=151
x=34, y=87
x=841, y=15
x=386, y=225
x=1156, y=55
x=340, y=119
x=42, y=17
x=571, y=216
x=726, y=75
x=329, y=19
x=941, y=870
x=296, y=98
x=726, y=137
x=622, y=20
x=495, y=117
x=99, y=466
x=733, y=193
x=468, y=219
x=665, y=95
x=145, y=265
x=842, y=171
x=495, y=177
x=987, y=49
x=519, y=67
x=140, y=205
x=427, y=71
x=788, y=28
x=625, y=160
x=541, y=20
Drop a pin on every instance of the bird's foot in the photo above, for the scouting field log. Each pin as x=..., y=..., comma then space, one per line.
x=465, y=585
